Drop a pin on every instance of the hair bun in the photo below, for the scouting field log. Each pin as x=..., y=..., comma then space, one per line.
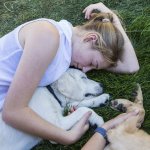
x=102, y=17
x=105, y=20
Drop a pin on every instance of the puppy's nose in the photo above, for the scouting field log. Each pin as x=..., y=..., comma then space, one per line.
x=101, y=85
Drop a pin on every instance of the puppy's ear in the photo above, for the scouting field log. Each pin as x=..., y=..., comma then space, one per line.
x=67, y=85
x=139, y=96
x=141, y=118
x=63, y=85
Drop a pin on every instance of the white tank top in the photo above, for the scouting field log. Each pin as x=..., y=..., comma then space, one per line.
x=11, y=52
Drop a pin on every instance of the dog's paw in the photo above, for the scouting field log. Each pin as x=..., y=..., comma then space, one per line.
x=115, y=104
x=95, y=121
x=104, y=100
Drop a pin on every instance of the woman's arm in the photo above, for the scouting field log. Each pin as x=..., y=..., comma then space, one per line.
x=128, y=63
x=97, y=141
x=41, y=44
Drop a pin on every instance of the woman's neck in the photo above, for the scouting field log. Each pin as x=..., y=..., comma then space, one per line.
x=76, y=41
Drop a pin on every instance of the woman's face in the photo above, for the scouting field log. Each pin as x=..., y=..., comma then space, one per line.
x=86, y=58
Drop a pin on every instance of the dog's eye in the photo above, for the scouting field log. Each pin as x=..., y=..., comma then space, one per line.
x=83, y=77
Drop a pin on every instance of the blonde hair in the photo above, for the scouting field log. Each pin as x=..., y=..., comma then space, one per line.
x=110, y=42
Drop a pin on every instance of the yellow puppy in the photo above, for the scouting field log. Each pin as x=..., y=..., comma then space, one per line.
x=128, y=136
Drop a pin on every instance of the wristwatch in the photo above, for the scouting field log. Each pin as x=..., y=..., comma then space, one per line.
x=103, y=132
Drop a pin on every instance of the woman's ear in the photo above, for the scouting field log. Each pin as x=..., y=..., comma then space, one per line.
x=90, y=37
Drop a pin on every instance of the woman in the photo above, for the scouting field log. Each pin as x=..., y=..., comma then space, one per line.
x=38, y=52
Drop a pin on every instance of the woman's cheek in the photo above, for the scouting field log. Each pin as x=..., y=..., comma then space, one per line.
x=86, y=69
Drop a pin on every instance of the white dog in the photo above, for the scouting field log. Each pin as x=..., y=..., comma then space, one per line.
x=73, y=88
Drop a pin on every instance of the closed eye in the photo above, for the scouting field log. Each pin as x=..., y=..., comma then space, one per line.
x=83, y=77
x=95, y=64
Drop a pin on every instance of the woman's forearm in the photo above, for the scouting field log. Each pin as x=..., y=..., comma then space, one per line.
x=28, y=121
x=128, y=63
x=96, y=142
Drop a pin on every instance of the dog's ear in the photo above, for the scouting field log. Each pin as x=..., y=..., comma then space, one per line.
x=62, y=85
x=66, y=86
x=139, y=95
x=141, y=118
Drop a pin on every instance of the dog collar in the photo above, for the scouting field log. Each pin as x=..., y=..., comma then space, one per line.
x=52, y=92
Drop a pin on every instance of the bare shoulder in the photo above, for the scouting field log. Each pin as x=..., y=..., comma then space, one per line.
x=39, y=29
x=41, y=39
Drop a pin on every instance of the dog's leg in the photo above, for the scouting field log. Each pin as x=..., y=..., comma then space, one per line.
x=121, y=104
x=69, y=121
x=93, y=102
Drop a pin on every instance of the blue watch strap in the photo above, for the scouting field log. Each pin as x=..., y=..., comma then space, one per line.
x=102, y=131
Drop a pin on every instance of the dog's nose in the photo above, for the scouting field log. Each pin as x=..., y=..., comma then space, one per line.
x=101, y=85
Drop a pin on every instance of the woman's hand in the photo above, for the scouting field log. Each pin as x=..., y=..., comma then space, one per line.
x=118, y=120
x=78, y=129
x=102, y=8
x=98, y=6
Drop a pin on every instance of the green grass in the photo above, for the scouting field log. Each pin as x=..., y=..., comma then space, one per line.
x=136, y=17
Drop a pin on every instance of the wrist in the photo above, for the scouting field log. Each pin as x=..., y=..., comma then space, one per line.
x=102, y=132
x=66, y=138
x=105, y=126
x=70, y=137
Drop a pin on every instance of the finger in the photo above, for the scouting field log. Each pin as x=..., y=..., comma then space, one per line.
x=125, y=116
x=83, y=122
x=89, y=13
x=84, y=119
x=86, y=15
x=84, y=10
x=133, y=113
x=86, y=127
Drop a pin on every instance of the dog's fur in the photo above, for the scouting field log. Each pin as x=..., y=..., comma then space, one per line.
x=127, y=136
x=73, y=88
